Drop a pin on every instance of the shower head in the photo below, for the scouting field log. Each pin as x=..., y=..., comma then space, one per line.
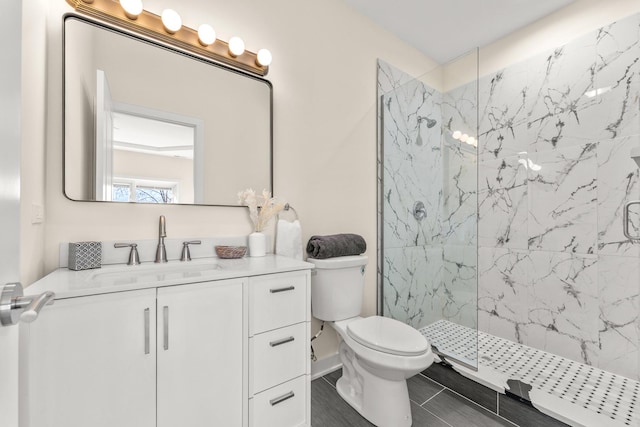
x=430, y=122
x=635, y=155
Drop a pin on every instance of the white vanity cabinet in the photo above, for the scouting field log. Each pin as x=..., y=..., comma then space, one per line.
x=279, y=359
x=184, y=350
x=200, y=354
x=97, y=361
x=91, y=361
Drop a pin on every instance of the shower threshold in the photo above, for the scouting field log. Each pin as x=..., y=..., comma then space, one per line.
x=572, y=392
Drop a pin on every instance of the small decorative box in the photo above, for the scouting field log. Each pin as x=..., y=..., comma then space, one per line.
x=85, y=255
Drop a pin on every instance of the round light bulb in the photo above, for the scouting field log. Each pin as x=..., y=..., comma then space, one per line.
x=206, y=34
x=464, y=137
x=264, y=57
x=457, y=134
x=471, y=140
x=236, y=46
x=132, y=8
x=171, y=21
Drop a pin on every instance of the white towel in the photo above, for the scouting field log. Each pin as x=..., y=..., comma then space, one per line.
x=289, y=239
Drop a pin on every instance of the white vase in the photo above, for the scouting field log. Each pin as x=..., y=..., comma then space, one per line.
x=257, y=244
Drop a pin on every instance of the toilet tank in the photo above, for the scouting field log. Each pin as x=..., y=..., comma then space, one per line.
x=337, y=286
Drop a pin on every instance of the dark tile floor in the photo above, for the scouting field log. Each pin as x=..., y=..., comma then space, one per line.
x=432, y=405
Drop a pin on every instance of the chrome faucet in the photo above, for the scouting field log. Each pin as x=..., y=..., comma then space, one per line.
x=161, y=252
x=134, y=258
x=186, y=253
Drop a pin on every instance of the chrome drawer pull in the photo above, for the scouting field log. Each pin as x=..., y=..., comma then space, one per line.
x=280, y=342
x=288, y=288
x=282, y=398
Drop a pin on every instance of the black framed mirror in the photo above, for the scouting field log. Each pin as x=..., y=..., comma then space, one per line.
x=147, y=123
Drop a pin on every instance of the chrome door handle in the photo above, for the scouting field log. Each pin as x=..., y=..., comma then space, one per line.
x=34, y=306
x=625, y=220
x=15, y=307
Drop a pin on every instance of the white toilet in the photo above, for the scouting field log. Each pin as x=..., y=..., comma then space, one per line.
x=378, y=354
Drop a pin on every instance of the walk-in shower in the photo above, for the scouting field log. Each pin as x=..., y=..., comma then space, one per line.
x=519, y=269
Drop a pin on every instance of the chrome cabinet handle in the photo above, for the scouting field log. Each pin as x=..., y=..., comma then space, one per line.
x=147, y=322
x=165, y=324
x=625, y=220
x=282, y=341
x=282, y=398
x=288, y=288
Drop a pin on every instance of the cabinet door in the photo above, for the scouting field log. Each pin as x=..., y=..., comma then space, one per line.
x=200, y=354
x=91, y=362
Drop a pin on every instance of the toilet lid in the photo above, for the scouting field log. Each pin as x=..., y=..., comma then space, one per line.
x=388, y=336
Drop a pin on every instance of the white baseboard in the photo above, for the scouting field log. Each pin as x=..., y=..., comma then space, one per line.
x=325, y=366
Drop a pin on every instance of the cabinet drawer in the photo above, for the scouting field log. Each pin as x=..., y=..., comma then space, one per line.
x=277, y=300
x=282, y=406
x=277, y=356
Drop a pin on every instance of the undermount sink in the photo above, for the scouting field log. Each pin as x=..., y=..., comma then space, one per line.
x=156, y=272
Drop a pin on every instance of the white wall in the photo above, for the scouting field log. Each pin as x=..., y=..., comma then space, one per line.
x=32, y=189
x=324, y=78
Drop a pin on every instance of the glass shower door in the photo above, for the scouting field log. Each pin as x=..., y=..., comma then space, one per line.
x=428, y=193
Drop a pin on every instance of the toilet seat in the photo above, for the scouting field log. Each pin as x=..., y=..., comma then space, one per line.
x=388, y=336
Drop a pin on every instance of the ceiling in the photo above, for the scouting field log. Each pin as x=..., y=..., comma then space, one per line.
x=446, y=29
x=151, y=136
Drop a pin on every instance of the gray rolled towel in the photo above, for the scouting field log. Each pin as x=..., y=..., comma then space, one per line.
x=336, y=245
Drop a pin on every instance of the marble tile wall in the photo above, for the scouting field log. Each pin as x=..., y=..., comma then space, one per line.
x=555, y=271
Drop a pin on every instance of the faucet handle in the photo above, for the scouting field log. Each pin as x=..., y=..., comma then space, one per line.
x=134, y=258
x=186, y=253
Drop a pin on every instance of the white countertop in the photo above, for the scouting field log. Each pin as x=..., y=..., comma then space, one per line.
x=117, y=278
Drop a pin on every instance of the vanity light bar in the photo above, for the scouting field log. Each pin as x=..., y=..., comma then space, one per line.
x=151, y=25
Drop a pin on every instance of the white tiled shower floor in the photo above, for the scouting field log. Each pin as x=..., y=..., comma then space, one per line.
x=576, y=393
